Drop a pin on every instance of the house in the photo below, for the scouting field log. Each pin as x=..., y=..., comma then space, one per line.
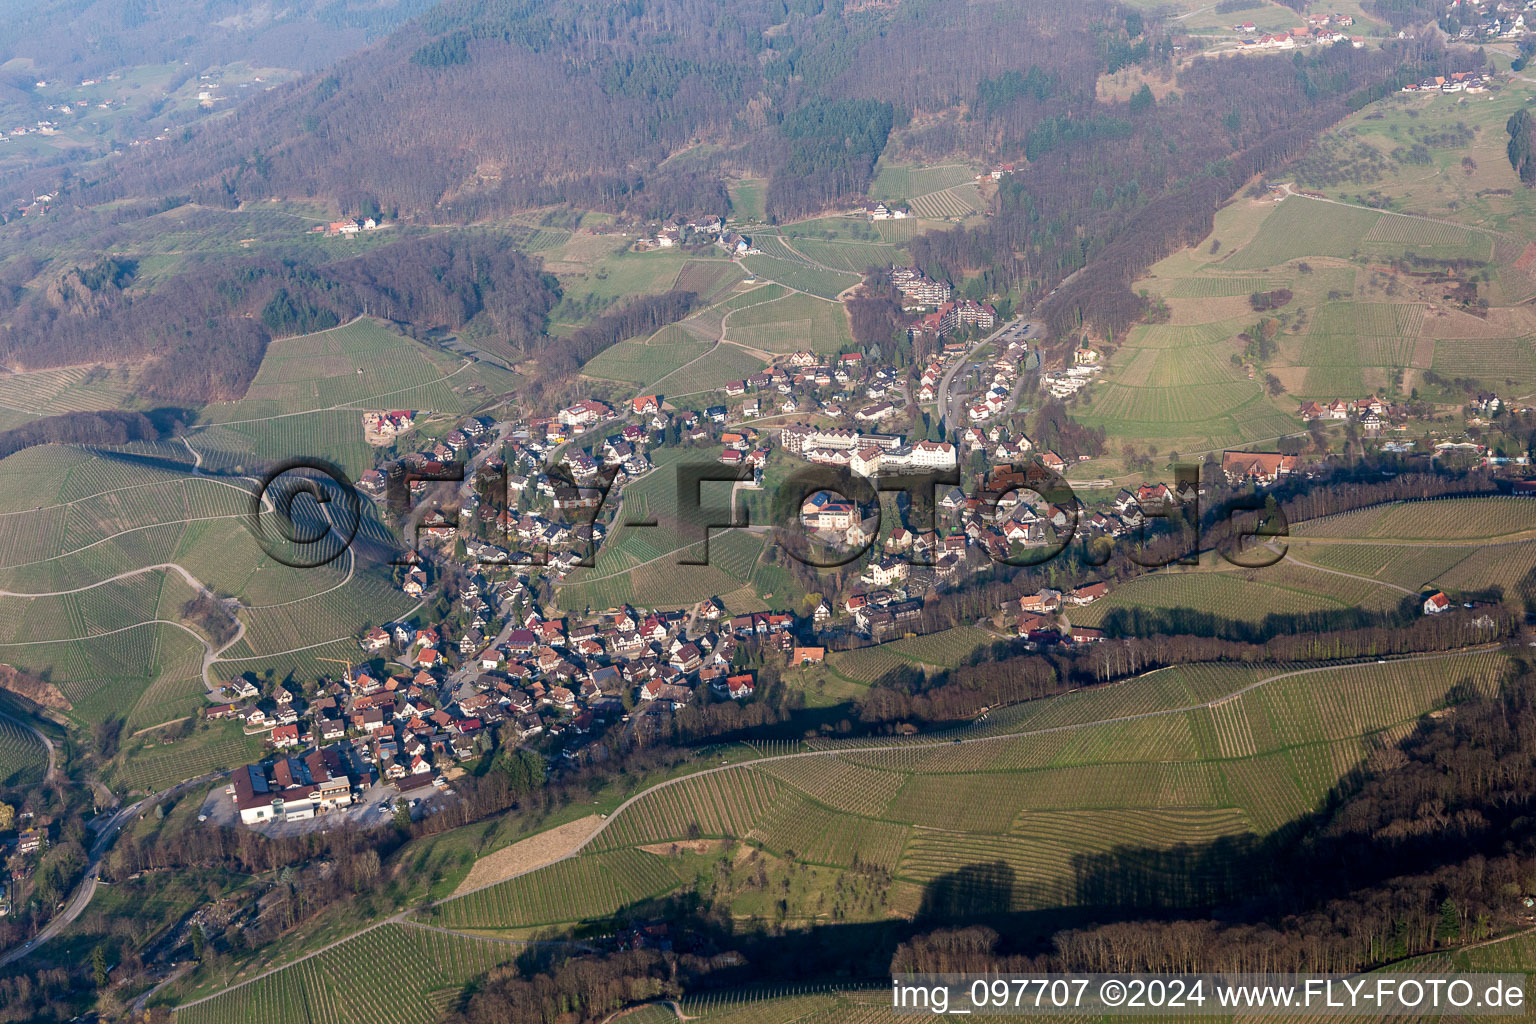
x=807, y=656
x=284, y=736
x=374, y=640
x=1436, y=603
x=645, y=404
x=1088, y=594
x=1257, y=467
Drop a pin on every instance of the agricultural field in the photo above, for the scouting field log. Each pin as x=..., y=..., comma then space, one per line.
x=956, y=203
x=944, y=649
x=1266, y=17
x=360, y=981
x=598, y=271
x=801, y=275
x=795, y=322
x=1300, y=227
x=1212, y=757
x=1176, y=385
x=748, y=199
x=709, y=279
x=1448, y=131
x=1453, y=519
x=853, y=257
x=710, y=372
x=641, y=362
x=1240, y=595
x=360, y=362
x=576, y=889
x=23, y=760
x=149, y=766
x=907, y=181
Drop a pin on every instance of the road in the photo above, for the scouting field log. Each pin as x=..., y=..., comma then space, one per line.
x=81, y=897
x=951, y=403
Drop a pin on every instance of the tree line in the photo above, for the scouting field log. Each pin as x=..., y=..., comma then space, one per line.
x=202, y=335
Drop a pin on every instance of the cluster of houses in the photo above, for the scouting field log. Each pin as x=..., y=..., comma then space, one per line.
x=810, y=384
x=684, y=231
x=1371, y=412
x=1041, y=622
x=1259, y=468
x=866, y=454
x=1491, y=19
x=1319, y=30
x=568, y=681
x=381, y=428
x=998, y=398
x=1457, y=81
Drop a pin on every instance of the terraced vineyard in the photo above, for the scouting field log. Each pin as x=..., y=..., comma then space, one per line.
x=641, y=361
x=1246, y=596
x=1441, y=520
x=791, y=323
x=799, y=273
x=725, y=803
x=944, y=649
x=360, y=981
x=23, y=759
x=580, y=888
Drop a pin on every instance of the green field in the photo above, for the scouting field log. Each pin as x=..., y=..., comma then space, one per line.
x=1450, y=129
x=944, y=649
x=710, y=372
x=22, y=756
x=794, y=322
x=360, y=981
x=801, y=276
x=571, y=890
x=1203, y=768
x=908, y=181
x=642, y=362
x=1444, y=520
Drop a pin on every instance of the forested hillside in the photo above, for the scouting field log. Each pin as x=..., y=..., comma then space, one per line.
x=487, y=105
x=203, y=334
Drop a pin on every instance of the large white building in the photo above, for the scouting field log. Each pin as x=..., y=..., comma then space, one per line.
x=290, y=789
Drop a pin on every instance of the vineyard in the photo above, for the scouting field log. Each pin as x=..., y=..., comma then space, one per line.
x=944, y=649
x=361, y=981
x=1444, y=520
x=800, y=275
x=853, y=257
x=640, y=362
x=718, y=804
x=154, y=767
x=902, y=181
x=958, y=201
x=22, y=756
x=1211, y=286
x=711, y=372
x=575, y=889
x=1301, y=227
x=1242, y=597
x=791, y=323
x=708, y=279
x=1491, y=360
